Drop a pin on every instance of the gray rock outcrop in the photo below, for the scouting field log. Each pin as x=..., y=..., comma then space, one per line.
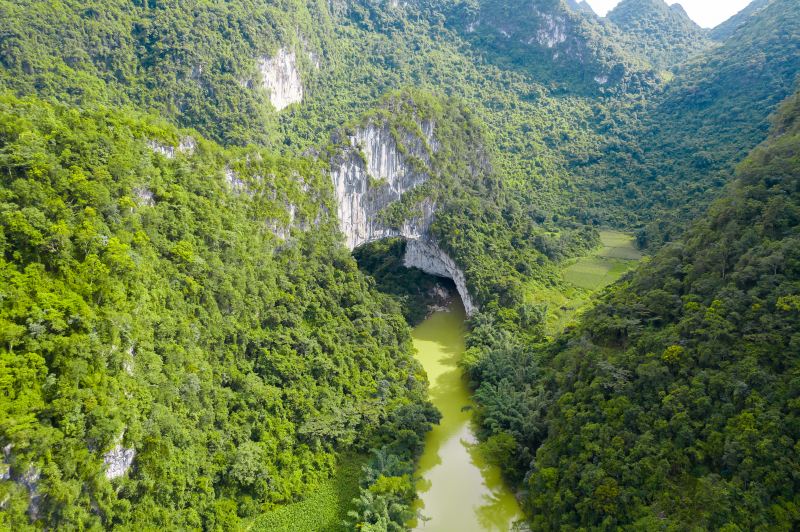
x=118, y=460
x=30, y=479
x=186, y=146
x=423, y=253
x=373, y=171
x=281, y=77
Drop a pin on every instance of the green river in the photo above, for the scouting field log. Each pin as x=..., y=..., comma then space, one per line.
x=458, y=491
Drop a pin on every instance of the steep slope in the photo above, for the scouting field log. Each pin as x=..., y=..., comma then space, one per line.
x=419, y=167
x=729, y=27
x=347, y=55
x=399, y=166
x=183, y=339
x=224, y=68
x=666, y=165
x=263, y=340
x=271, y=347
x=674, y=404
x=554, y=43
x=274, y=352
x=664, y=34
x=581, y=7
x=213, y=66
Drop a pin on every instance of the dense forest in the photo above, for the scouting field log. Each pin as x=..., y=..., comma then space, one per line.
x=149, y=303
x=186, y=341
x=674, y=403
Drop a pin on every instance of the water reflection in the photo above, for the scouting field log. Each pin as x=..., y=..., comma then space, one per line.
x=458, y=491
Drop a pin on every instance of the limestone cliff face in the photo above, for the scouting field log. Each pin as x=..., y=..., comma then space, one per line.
x=372, y=172
x=281, y=77
x=118, y=460
x=186, y=146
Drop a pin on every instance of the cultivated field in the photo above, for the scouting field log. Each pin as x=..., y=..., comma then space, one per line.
x=584, y=276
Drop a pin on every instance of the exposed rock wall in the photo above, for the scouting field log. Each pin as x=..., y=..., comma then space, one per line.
x=281, y=77
x=186, y=146
x=118, y=460
x=552, y=32
x=5, y=466
x=423, y=253
x=28, y=480
x=371, y=173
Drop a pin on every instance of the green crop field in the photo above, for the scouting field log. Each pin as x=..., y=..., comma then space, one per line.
x=616, y=255
x=617, y=245
x=594, y=273
x=324, y=510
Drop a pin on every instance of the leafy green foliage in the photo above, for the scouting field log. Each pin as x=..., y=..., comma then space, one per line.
x=148, y=298
x=552, y=41
x=153, y=301
x=323, y=510
x=480, y=222
x=388, y=487
x=195, y=62
x=674, y=404
x=664, y=34
x=671, y=163
x=725, y=30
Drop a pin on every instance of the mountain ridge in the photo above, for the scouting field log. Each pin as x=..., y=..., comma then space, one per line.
x=664, y=34
x=186, y=340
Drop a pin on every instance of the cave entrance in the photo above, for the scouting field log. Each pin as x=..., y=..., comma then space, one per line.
x=418, y=293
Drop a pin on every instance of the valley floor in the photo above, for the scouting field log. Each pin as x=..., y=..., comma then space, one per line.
x=584, y=276
x=324, y=510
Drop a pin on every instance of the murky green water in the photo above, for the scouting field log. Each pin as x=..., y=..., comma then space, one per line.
x=458, y=492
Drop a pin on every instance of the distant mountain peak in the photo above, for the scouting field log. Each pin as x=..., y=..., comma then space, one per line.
x=663, y=34
x=730, y=26
x=643, y=9
x=563, y=40
x=581, y=7
x=678, y=8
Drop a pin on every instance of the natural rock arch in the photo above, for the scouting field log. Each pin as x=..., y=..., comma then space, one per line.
x=370, y=173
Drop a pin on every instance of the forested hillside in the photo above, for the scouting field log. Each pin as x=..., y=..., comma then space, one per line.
x=151, y=310
x=196, y=63
x=186, y=341
x=553, y=42
x=726, y=29
x=664, y=34
x=674, y=404
x=665, y=160
x=607, y=160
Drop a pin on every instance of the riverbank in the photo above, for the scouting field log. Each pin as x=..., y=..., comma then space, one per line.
x=458, y=490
